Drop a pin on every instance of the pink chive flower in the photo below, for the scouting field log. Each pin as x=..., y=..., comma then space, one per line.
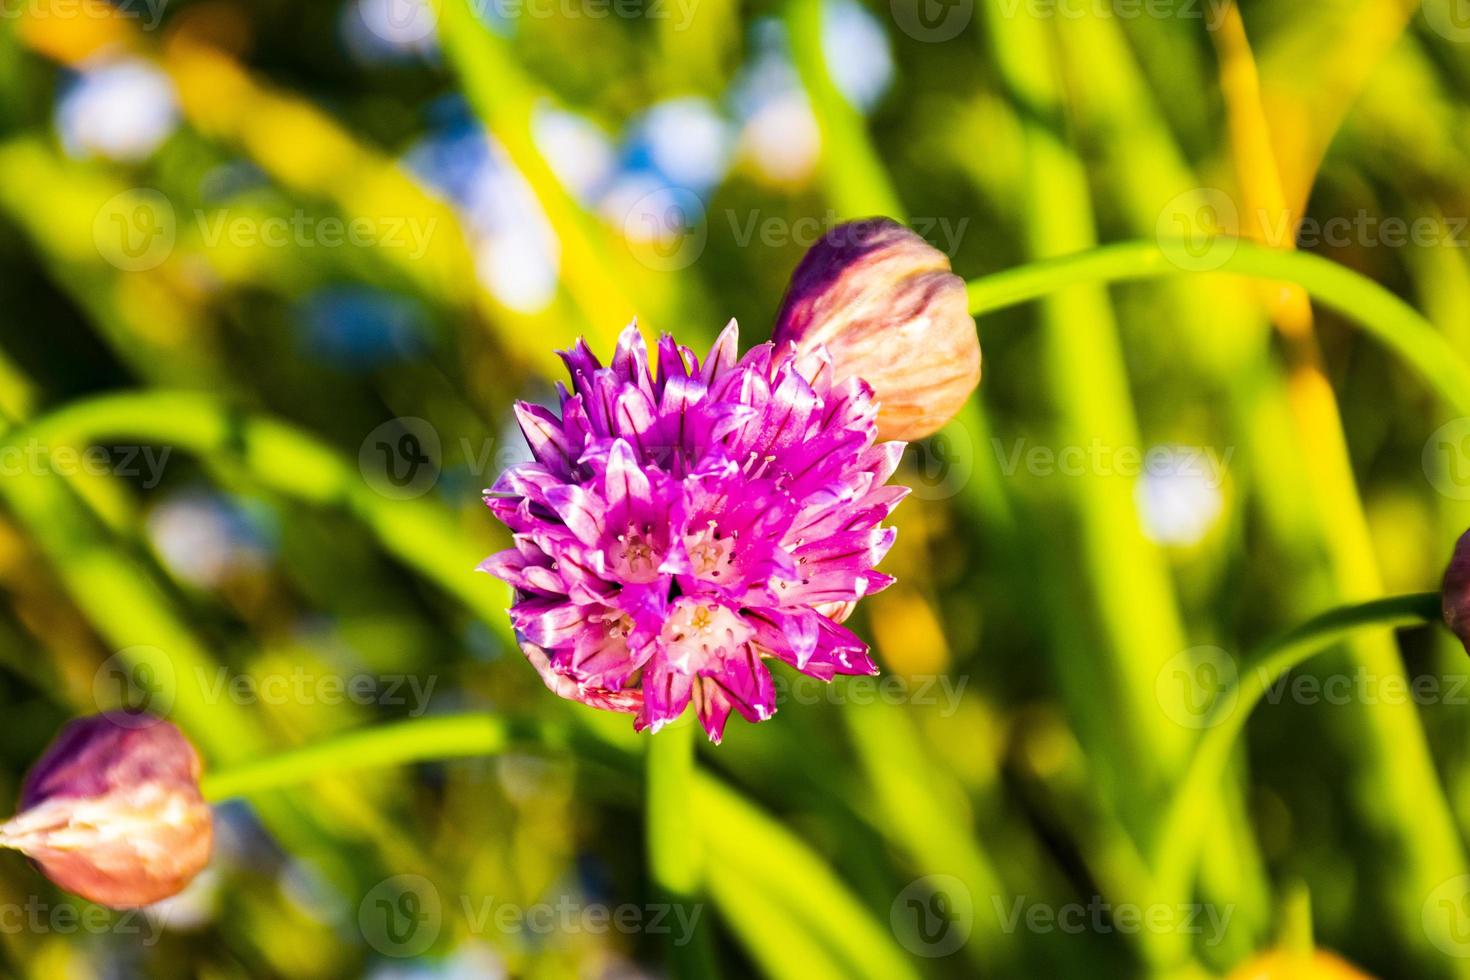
x=683, y=522
x=113, y=812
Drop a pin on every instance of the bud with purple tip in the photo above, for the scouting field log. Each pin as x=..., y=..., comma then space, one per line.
x=1456, y=592
x=887, y=308
x=112, y=811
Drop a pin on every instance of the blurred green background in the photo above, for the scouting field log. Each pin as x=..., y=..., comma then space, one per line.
x=274, y=271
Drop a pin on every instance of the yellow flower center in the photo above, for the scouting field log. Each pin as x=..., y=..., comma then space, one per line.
x=697, y=632
x=709, y=553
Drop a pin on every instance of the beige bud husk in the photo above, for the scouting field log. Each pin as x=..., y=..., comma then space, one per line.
x=113, y=811
x=888, y=309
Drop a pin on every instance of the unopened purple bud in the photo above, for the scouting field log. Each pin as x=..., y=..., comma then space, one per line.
x=112, y=811
x=1455, y=596
x=888, y=309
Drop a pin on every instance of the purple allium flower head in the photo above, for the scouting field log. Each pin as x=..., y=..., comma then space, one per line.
x=682, y=522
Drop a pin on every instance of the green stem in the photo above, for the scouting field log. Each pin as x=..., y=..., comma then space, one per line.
x=1179, y=837
x=1394, y=322
x=283, y=459
x=675, y=851
x=752, y=856
x=381, y=746
x=675, y=847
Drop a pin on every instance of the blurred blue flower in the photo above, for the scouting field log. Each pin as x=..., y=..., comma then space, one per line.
x=857, y=52
x=205, y=537
x=361, y=328
x=517, y=255
x=686, y=141
x=779, y=135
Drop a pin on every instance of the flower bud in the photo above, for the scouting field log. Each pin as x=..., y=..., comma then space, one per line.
x=112, y=811
x=1455, y=596
x=888, y=309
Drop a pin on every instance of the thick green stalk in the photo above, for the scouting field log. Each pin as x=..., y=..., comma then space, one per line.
x=1118, y=593
x=909, y=789
x=675, y=851
x=1222, y=344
